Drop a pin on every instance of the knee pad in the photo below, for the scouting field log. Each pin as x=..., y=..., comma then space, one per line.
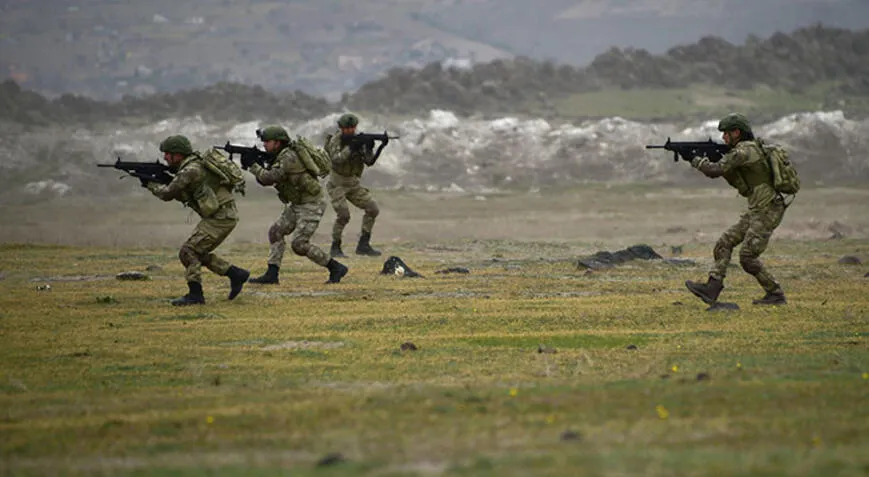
x=300, y=246
x=343, y=216
x=372, y=210
x=275, y=235
x=750, y=263
x=187, y=255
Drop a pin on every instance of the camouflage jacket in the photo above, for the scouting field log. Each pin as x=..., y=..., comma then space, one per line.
x=746, y=169
x=290, y=177
x=345, y=161
x=195, y=187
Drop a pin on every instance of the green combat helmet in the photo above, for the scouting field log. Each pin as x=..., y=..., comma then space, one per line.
x=348, y=120
x=734, y=121
x=274, y=133
x=176, y=144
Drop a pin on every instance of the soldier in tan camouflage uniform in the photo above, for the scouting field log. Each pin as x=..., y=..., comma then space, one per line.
x=202, y=191
x=302, y=195
x=745, y=167
x=343, y=186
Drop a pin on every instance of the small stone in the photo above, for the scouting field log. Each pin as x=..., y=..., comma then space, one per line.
x=408, y=346
x=153, y=268
x=850, y=260
x=45, y=287
x=542, y=349
x=703, y=377
x=867, y=275
x=571, y=436
x=631, y=347
x=331, y=459
x=723, y=306
x=678, y=303
x=131, y=276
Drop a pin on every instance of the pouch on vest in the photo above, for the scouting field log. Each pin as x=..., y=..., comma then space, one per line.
x=206, y=200
x=315, y=159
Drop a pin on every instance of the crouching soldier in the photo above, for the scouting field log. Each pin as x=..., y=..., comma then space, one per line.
x=203, y=191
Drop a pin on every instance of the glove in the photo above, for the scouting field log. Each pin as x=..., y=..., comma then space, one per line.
x=247, y=160
x=698, y=162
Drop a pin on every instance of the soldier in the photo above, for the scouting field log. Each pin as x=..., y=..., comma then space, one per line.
x=343, y=186
x=202, y=191
x=301, y=192
x=745, y=167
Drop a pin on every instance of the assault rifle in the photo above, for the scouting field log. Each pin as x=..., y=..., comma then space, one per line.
x=144, y=171
x=366, y=140
x=249, y=155
x=689, y=150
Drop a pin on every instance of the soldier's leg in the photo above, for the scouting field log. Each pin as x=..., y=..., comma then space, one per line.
x=338, y=198
x=282, y=227
x=309, y=216
x=219, y=227
x=361, y=198
x=763, y=223
x=722, y=252
x=190, y=256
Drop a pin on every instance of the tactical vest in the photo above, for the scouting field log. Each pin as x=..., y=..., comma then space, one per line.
x=298, y=185
x=752, y=174
x=353, y=167
x=209, y=194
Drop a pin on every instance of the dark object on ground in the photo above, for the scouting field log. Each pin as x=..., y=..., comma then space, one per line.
x=850, y=260
x=867, y=275
x=153, y=268
x=454, y=270
x=703, y=377
x=542, y=349
x=631, y=347
x=396, y=266
x=408, y=346
x=331, y=459
x=723, y=306
x=571, y=436
x=131, y=276
x=605, y=259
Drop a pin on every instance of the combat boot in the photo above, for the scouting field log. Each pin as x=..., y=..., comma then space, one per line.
x=336, y=271
x=708, y=292
x=193, y=297
x=269, y=277
x=336, y=251
x=364, y=246
x=237, y=278
x=776, y=298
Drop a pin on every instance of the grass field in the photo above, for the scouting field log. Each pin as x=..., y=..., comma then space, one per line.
x=100, y=376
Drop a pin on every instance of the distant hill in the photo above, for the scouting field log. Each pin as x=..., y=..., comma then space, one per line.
x=105, y=49
x=809, y=69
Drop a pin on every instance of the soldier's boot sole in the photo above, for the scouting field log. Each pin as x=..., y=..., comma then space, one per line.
x=187, y=300
x=771, y=299
x=336, y=271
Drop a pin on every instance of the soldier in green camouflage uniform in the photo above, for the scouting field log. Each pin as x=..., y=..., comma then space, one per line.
x=302, y=195
x=202, y=191
x=746, y=168
x=343, y=186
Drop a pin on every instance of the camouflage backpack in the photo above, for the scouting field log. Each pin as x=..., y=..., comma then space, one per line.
x=227, y=171
x=785, y=179
x=315, y=159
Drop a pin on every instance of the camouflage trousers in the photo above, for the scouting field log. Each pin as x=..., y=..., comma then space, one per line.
x=753, y=231
x=343, y=189
x=208, y=234
x=301, y=221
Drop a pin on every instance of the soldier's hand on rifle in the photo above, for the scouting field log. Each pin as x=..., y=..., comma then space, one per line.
x=247, y=160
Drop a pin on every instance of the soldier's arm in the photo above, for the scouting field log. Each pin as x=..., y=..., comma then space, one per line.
x=339, y=153
x=367, y=156
x=734, y=158
x=175, y=189
x=270, y=176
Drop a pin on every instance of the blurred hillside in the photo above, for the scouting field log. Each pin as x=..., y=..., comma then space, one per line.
x=105, y=49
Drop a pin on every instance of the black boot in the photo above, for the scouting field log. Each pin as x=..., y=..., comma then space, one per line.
x=777, y=298
x=336, y=251
x=708, y=292
x=193, y=297
x=269, y=277
x=237, y=278
x=364, y=246
x=336, y=271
